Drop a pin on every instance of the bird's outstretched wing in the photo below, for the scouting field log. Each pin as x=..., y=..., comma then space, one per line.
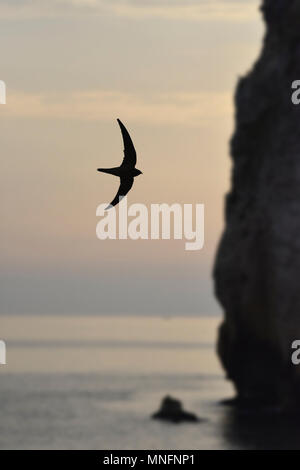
x=125, y=185
x=129, y=150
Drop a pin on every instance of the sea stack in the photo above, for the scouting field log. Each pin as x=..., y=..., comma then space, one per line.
x=257, y=268
x=171, y=410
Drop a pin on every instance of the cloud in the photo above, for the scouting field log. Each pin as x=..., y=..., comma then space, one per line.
x=204, y=10
x=185, y=10
x=182, y=108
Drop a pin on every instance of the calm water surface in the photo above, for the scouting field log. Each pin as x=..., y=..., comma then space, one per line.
x=92, y=383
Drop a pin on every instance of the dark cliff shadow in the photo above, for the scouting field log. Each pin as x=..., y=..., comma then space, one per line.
x=257, y=264
x=261, y=431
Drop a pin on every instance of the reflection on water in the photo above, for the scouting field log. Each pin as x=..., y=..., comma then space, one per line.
x=93, y=383
x=79, y=344
x=264, y=431
x=66, y=411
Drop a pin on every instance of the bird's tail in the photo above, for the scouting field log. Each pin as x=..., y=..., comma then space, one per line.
x=111, y=171
x=105, y=170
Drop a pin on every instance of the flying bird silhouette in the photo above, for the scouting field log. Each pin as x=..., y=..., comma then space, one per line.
x=126, y=171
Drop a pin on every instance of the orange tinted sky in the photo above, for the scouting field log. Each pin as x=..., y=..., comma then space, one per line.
x=168, y=70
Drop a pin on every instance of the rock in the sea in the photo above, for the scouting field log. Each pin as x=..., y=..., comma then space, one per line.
x=171, y=410
x=257, y=268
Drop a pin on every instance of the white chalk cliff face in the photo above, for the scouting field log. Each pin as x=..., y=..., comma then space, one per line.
x=257, y=269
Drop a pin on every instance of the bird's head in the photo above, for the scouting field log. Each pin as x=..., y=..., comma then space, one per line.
x=138, y=172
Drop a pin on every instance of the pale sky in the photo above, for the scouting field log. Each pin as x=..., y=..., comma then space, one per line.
x=167, y=69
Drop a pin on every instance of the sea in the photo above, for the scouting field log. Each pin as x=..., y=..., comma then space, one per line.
x=93, y=382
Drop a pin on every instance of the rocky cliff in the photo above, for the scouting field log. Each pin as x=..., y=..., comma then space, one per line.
x=257, y=269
